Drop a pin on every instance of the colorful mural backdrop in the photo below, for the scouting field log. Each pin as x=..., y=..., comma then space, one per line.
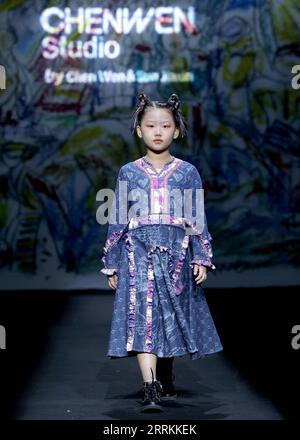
x=73, y=71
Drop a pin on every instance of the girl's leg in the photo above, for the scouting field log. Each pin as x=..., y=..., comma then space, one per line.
x=152, y=388
x=147, y=361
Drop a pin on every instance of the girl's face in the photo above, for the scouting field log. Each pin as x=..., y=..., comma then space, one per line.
x=157, y=123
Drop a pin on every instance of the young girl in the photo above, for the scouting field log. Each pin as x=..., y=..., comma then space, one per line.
x=156, y=258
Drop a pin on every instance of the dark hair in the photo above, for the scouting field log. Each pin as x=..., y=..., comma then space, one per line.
x=173, y=104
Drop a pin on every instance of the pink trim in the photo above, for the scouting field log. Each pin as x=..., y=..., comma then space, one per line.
x=175, y=164
x=113, y=238
x=177, y=282
x=132, y=296
x=150, y=290
x=158, y=183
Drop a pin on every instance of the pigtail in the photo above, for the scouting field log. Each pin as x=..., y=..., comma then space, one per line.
x=174, y=101
x=143, y=101
x=174, y=104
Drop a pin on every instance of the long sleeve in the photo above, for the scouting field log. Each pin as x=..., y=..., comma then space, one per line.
x=117, y=212
x=200, y=238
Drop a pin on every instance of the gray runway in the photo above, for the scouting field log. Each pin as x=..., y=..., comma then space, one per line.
x=75, y=380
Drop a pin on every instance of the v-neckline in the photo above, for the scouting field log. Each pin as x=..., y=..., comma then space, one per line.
x=164, y=166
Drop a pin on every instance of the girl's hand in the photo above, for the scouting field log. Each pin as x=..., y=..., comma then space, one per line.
x=200, y=273
x=112, y=281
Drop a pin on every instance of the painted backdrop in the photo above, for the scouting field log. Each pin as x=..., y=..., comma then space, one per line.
x=63, y=141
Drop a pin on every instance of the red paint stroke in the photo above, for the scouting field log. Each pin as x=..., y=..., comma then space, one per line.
x=60, y=108
x=143, y=48
x=41, y=186
x=56, y=106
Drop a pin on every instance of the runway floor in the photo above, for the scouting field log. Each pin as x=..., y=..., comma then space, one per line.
x=73, y=379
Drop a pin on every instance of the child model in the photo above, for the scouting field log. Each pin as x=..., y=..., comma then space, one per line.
x=156, y=258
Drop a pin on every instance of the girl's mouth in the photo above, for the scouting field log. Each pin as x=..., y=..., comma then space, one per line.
x=157, y=141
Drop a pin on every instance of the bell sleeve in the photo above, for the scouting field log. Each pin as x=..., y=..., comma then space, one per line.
x=200, y=237
x=111, y=253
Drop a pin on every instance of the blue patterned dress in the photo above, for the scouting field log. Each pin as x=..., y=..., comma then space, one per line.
x=158, y=307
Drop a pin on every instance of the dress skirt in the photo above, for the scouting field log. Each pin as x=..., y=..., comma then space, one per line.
x=158, y=307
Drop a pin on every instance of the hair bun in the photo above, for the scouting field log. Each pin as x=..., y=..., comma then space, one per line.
x=143, y=98
x=174, y=101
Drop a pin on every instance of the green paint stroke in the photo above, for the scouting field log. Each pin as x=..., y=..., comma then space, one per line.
x=10, y=4
x=261, y=101
x=237, y=69
x=78, y=142
x=286, y=21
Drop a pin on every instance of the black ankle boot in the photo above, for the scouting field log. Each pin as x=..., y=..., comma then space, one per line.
x=164, y=372
x=152, y=391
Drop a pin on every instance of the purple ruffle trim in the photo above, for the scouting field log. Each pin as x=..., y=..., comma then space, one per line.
x=132, y=299
x=150, y=290
x=177, y=282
